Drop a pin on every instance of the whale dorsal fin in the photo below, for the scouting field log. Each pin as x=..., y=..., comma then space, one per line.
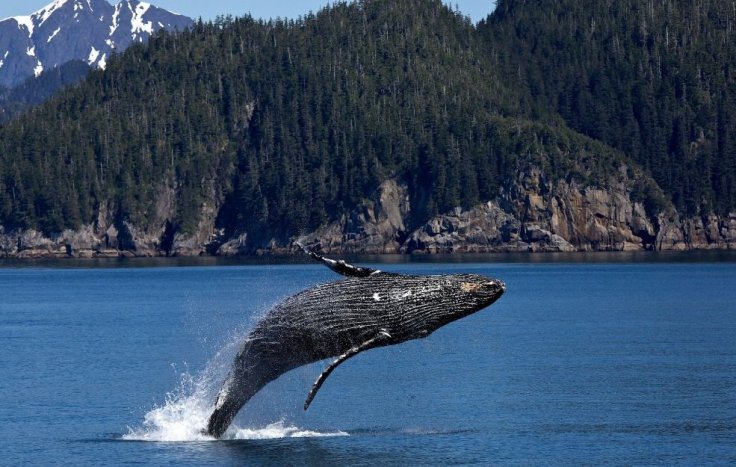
x=377, y=341
x=340, y=266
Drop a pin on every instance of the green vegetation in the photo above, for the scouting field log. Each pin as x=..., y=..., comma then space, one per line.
x=286, y=124
x=655, y=79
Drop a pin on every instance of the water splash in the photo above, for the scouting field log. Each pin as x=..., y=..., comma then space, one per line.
x=184, y=415
x=276, y=431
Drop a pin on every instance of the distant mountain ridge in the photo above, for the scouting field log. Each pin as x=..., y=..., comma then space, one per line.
x=85, y=30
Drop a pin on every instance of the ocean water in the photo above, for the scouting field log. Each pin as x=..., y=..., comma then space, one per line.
x=580, y=362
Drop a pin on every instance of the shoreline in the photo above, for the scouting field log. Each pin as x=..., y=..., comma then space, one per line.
x=580, y=257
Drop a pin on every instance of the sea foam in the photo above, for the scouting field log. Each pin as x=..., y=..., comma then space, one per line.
x=184, y=414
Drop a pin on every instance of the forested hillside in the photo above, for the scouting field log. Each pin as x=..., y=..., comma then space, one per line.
x=655, y=79
x=294, y=120
x=274, y=129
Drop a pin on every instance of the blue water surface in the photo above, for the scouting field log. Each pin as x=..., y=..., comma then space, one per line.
x=579, y=363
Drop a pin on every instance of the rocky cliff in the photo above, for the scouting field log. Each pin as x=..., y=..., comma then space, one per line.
x=531, y=214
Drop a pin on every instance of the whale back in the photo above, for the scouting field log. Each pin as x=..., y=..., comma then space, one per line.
x=332, y=317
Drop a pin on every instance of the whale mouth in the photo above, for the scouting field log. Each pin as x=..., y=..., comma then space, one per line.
x=492, y=289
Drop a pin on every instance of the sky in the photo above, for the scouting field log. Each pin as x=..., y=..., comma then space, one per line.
x=476, y=9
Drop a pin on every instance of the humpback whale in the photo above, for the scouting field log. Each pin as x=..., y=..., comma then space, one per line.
x=368, y=309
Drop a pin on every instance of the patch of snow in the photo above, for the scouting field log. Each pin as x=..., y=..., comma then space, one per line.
x=110, y=43
x=137, y=23
x=7, y=52
x=103, y=62
x=31, y=52
x=51, y=37
x=26, y=21
x=38, y=70
x=45, y=13
x=93, y=54
x=115, y=16
x=2, y=63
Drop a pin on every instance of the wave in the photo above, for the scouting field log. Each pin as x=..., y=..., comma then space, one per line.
x=184, y=415
x=183, y=418
x=276, y=431
x=187, y=432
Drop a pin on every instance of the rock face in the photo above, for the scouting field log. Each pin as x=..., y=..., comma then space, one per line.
x=532, y=213
x=379, y=225
x=484, y=228
x=109, y=237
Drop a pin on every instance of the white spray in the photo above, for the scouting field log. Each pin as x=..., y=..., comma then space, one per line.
x=184, y=415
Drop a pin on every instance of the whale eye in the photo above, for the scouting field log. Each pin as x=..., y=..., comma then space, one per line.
x=469, y=287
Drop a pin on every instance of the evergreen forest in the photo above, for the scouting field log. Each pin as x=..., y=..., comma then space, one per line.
x=655, y=79
x=289, y=123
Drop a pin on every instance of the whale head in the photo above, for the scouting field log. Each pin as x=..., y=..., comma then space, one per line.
x=435, y=301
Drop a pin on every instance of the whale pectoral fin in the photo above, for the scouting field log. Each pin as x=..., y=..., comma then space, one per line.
x=381, y=338
x=339, y=266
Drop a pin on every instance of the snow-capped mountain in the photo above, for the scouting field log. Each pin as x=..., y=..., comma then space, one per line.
x=66, y=30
